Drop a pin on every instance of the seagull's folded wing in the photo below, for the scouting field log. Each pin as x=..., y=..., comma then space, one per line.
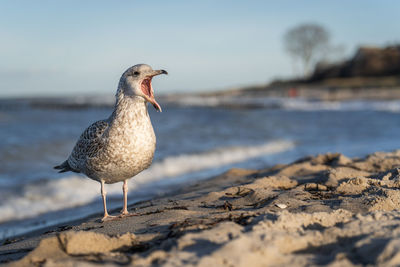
x=88, y=145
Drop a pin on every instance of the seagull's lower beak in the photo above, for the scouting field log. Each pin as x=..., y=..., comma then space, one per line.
x=153, y=101
x=147, y=88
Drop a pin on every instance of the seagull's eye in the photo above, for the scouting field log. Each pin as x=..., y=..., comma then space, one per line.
x=136, y=73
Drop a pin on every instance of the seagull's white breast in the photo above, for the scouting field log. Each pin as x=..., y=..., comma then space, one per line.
x=129, y=145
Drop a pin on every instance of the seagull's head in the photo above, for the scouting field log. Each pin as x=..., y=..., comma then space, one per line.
x=136, y=81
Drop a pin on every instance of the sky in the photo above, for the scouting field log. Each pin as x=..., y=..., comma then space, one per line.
x=59, y=48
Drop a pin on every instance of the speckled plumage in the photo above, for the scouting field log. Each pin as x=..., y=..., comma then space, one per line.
x=119, y=147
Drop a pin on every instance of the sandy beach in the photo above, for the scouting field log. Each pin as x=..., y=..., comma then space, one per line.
x=215, y=133
x=322, y=210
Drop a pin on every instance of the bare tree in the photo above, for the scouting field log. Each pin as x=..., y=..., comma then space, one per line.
x=306, y=43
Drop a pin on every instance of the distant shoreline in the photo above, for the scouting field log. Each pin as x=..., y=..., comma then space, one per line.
x=323, y=93
x=343, y=89
x=229, y=99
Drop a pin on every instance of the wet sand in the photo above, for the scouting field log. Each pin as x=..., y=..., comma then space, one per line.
x=323, y=210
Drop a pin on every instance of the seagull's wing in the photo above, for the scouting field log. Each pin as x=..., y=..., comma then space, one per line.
x=88, y=145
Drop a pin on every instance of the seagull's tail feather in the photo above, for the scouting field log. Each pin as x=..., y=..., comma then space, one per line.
x=64, y=167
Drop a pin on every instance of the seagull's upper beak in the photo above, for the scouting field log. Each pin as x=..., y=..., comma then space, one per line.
x=158, y=72
x=147, y=88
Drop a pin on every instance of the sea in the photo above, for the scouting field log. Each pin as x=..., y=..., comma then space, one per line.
x=197, y=138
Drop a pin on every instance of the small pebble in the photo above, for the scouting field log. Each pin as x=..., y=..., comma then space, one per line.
x=280, y=205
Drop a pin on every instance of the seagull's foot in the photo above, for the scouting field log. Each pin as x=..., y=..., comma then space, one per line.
x=127, y=214
x=108, y=218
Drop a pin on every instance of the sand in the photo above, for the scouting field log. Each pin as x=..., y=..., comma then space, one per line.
x=323, y=210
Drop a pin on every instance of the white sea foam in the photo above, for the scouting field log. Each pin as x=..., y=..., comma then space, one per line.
x=289, y=103
x=214, y=101
x=75, y=190
x=238, y=101
x=353, y=105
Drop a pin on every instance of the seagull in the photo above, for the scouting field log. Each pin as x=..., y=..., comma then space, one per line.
x=118, y=148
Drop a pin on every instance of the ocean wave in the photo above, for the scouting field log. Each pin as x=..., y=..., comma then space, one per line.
x=226, y=101
x=74, y=190
x=231, y=101
x=295, y=104
x=353, y=105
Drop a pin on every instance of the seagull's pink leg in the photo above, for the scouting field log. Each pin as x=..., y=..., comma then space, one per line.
x=125, y=190
x=106, y=217
x=124, y=211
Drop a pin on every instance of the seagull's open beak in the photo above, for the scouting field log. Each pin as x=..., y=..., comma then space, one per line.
x=147, y=88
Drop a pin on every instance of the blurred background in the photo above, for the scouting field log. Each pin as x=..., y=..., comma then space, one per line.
x=250, y=84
